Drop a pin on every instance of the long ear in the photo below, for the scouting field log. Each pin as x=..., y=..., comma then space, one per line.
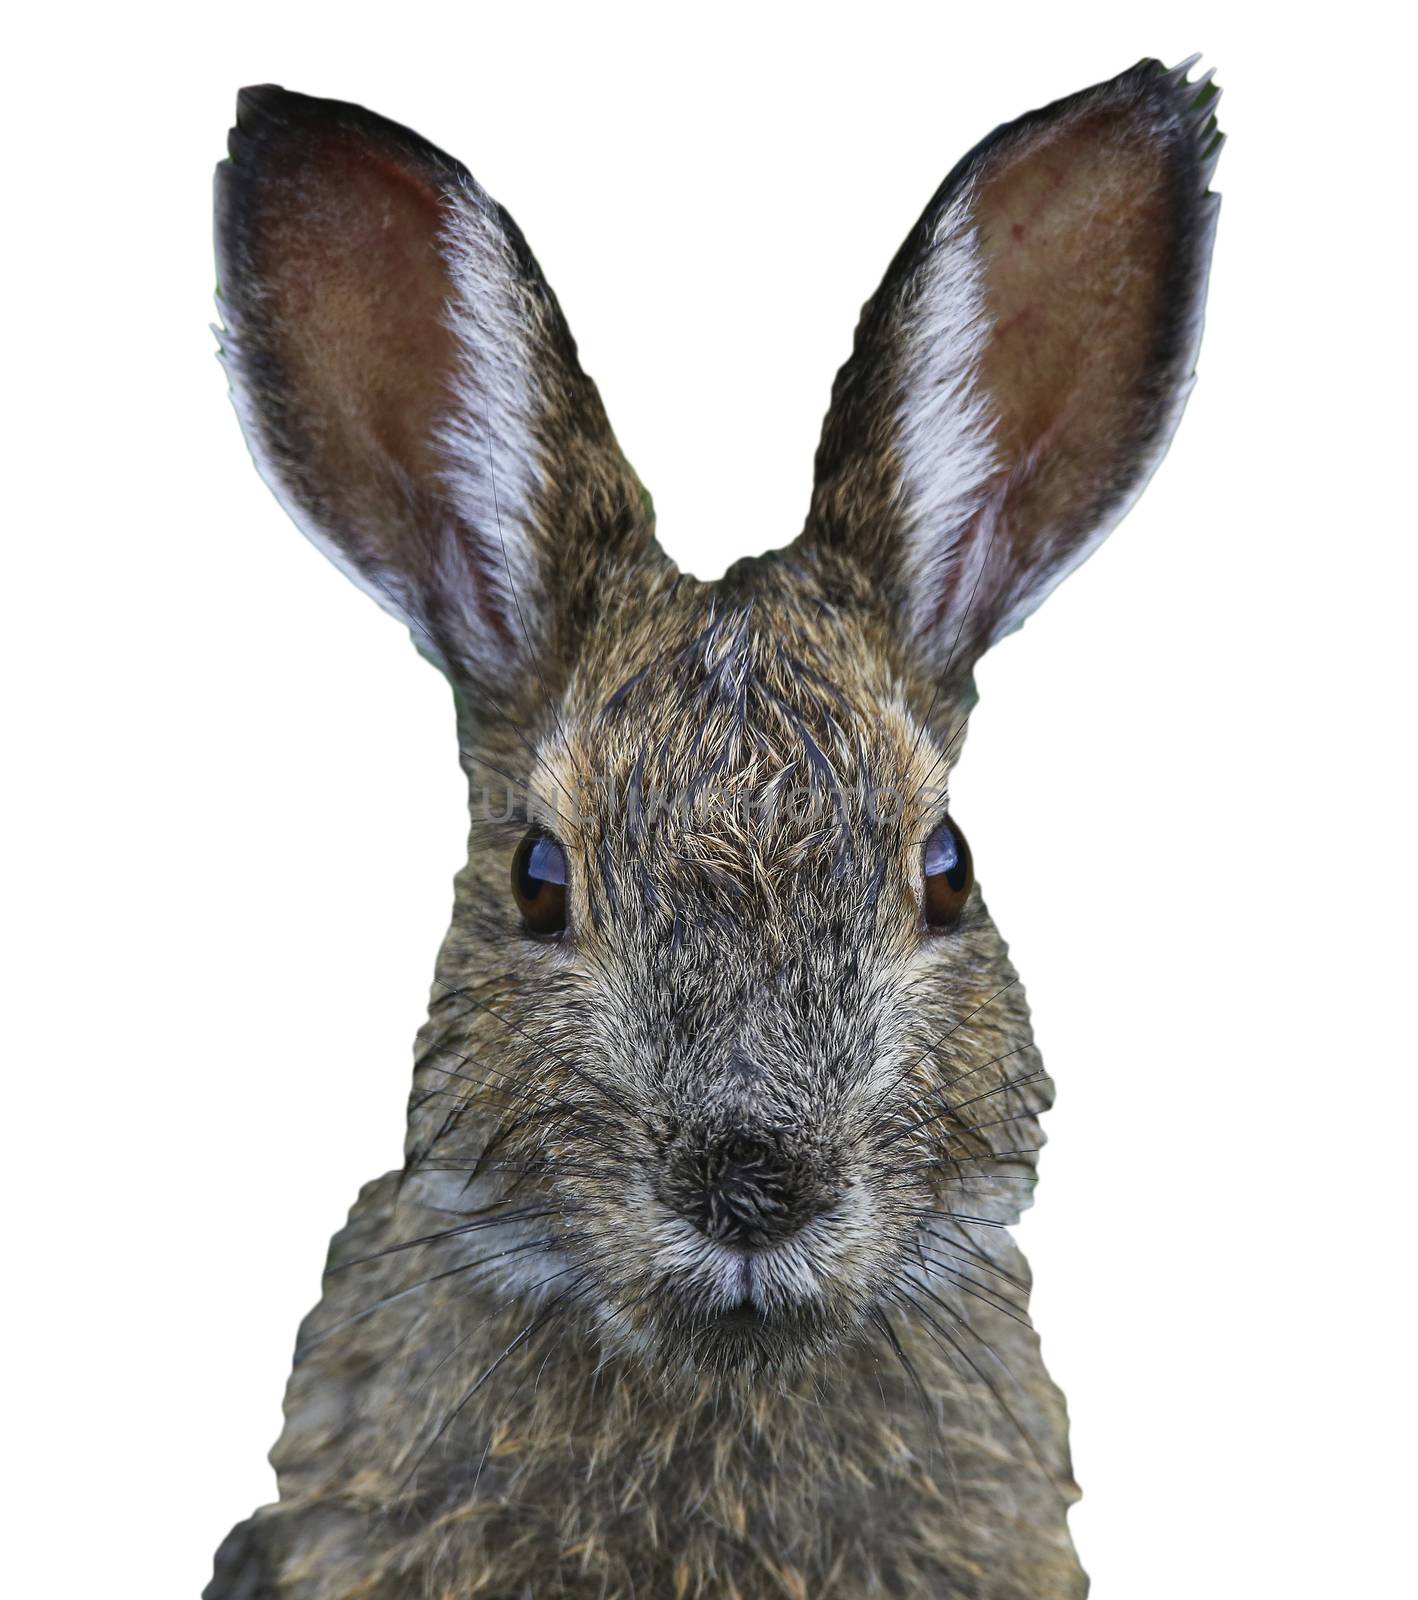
x=1021, y=370
x=408, y=386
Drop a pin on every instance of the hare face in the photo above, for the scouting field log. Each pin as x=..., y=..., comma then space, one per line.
x=739, y=1061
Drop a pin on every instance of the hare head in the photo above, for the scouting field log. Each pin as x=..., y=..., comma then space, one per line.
x=722, y=1021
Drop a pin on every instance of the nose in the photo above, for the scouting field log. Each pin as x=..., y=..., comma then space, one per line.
x=752, y=1192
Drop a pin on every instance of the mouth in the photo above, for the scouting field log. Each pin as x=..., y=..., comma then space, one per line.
x=705, y=1306
x=745, y=1342
x=745, y=1317
x=749, y=1313
x=747, y=1294
x=743, y=1321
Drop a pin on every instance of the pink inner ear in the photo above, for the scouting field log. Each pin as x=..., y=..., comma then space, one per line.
x=356, y=290
x=352, y=273
x=1077, y=230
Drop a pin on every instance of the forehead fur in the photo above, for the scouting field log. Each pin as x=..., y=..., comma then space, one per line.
x=743, y=738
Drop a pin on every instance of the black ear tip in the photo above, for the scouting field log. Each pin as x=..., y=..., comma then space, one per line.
x=259, y=96
x=1194, y=100
x=262, y=113
x=270, y=120
x=1180, y=107
x=263, y=103
x=265, y=108
x=1192, y=94
x=273, y=123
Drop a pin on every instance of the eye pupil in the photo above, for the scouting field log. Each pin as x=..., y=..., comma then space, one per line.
x=947, y=874
x=539, y=880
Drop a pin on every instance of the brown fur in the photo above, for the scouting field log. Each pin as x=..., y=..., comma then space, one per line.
x=510, y=1388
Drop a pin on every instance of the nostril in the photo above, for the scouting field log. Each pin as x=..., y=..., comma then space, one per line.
x=742, y=1151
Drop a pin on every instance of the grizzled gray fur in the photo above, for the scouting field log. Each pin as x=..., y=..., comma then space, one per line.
x=696, y=1280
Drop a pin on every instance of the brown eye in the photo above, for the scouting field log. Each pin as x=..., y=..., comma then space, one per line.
x=539, y=878
x=946, y=868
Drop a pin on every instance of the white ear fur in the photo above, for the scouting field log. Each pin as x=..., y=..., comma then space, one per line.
x=944, y=428
x=494, y=467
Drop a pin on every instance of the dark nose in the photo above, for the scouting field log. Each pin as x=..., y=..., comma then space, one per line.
x=752, y=1192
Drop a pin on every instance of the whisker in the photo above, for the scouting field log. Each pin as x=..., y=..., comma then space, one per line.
x=1006, y=1410
x=482, y=1222
x=975, y=1258
x=874, y=1109
x=457, y=1410
x=953, y=1111
x=482, y=1322
x=615, y=1100
x=320, y=1338
x=979, y=1292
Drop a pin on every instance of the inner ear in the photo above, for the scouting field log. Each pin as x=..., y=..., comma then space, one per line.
x=354, y=290
x=376, y=334
x=1075, y=235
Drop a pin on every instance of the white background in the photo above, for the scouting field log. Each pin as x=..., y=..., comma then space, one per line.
x=235, y=809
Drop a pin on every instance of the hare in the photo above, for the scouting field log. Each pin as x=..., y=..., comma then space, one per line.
x=696, y=1280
